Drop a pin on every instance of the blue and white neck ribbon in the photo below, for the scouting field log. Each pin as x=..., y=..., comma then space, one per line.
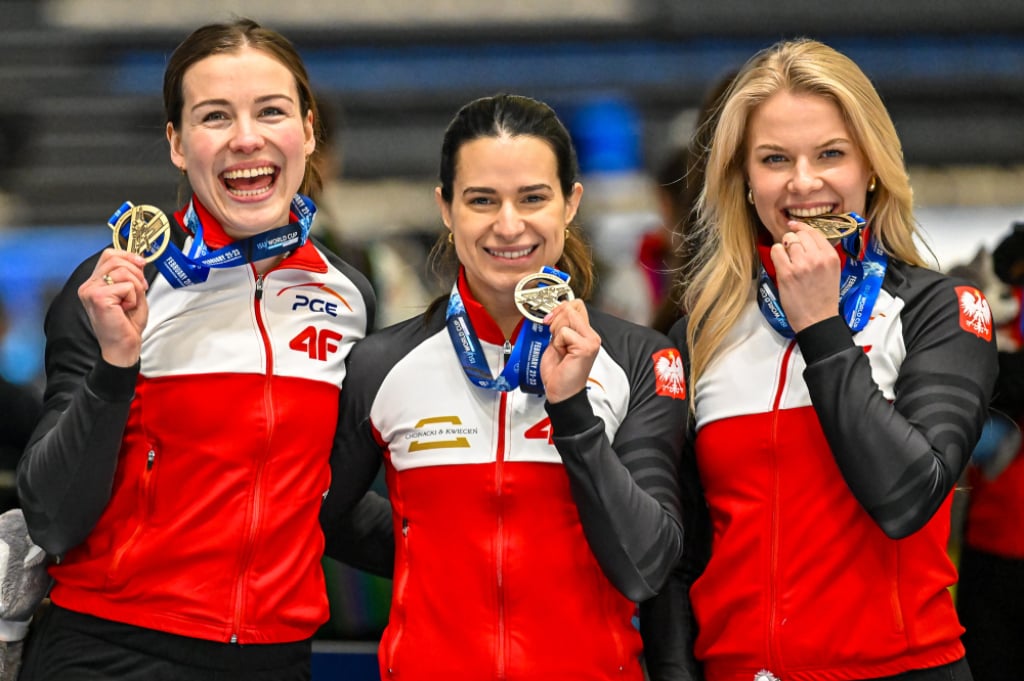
x=859, y=285
x=184, y=269
x=522, y=368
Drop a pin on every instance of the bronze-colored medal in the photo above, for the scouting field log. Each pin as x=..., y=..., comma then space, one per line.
x=148, y=231
x=539, y=293
x=834, y=226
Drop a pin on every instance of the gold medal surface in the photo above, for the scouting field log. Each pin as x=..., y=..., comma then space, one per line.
x=149, y=231
x=539, y=293
x=833, y=225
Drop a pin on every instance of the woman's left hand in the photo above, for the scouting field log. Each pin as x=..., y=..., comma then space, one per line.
x=807, y=273
x=566, y=363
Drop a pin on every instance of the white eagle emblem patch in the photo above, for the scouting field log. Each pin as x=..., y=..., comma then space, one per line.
x=975, y=313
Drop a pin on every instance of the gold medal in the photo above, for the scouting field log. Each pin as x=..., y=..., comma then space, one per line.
x=148, y=230
x=834, y=226
x=539, y=293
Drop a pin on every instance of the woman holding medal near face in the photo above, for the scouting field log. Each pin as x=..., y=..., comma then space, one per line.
x=191, y=403
x=531, y=463
x=838, y=390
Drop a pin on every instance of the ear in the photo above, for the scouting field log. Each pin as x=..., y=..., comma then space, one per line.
x=444, y=207
x=572, y=202
x=307, y=129
x=174, y=141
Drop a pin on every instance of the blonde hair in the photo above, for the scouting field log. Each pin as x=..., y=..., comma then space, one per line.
x=722, y=276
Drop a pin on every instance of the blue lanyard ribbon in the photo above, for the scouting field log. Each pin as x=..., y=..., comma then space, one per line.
x=859, y=285
x=184, y=269
x=521, y=370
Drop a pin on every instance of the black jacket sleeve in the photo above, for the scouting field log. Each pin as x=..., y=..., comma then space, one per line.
x=667, y=623
x=66, y=473
x=356, y=521
x=627, y=490
x=901, y=458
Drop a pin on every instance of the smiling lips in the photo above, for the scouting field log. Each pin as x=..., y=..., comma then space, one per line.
x=511, y=255
x=249, y=182
x=810, y=212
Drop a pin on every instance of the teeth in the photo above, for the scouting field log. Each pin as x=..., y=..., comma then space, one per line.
x=511, y=255
x=248, y=173
x=248, y=192
x=810, y=212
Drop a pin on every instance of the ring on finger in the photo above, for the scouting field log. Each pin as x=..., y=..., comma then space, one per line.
x=108, y=279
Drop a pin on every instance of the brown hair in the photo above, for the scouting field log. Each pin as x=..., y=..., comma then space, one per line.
x=224, y=38
x=514, y=116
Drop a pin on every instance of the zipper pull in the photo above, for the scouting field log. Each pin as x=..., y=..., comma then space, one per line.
x=508, y=351
x=150, y=457
x=259, y=287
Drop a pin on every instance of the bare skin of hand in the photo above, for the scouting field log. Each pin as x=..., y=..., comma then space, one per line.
x=118, y=311
x=807, y=270
x=569, y=357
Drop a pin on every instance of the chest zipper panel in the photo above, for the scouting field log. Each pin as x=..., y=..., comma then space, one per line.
x=499, y=542
x=256, y=503
x=772, y=645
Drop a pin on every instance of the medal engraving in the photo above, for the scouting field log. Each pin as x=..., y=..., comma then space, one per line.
x=148, y=231
x=538, y=294
x=834, y=226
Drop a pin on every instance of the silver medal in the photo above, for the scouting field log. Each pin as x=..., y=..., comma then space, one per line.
x=539, y=293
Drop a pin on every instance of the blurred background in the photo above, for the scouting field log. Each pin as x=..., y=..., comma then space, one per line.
x=81, y=127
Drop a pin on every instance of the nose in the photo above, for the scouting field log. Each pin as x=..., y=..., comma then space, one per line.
x=805, y=178
x=508, y=223
x=246, y=138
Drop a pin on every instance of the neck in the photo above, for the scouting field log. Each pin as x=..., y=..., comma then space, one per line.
x=267, y=264
x=507, y=321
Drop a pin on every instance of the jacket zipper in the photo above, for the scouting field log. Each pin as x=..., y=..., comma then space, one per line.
x=774, y=656
x=145, y=486
x=401, y=579
x=256, y=509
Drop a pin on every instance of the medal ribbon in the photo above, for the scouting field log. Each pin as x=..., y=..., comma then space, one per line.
x=860, y=282
x=184, y=269
x=522, y=370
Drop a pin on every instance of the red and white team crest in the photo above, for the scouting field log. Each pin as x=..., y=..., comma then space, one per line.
x=975, y=314
x=668, y=374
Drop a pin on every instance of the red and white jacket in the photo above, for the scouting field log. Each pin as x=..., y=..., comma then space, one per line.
x=525, y=531
x=183, y=496
x=827, y=463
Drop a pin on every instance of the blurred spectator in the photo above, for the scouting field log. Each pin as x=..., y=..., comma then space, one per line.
x=21, y=406
x=384, y=228
x=680, y=179
x=14, y=134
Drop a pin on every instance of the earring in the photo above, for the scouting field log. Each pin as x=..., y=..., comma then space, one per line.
x=183, y=171
x=566, y=233
x=872, y=184
x=451, y=239
x=750, y=196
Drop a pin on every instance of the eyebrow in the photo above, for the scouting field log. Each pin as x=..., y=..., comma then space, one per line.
x=223, y=102
x=522, y=190
x=831, y=143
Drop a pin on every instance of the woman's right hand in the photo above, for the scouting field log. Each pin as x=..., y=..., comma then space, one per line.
x=114, y=297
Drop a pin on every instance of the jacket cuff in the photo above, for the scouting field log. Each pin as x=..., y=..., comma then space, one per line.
x=824, y=339
x=571, y=416
x=112, y=383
